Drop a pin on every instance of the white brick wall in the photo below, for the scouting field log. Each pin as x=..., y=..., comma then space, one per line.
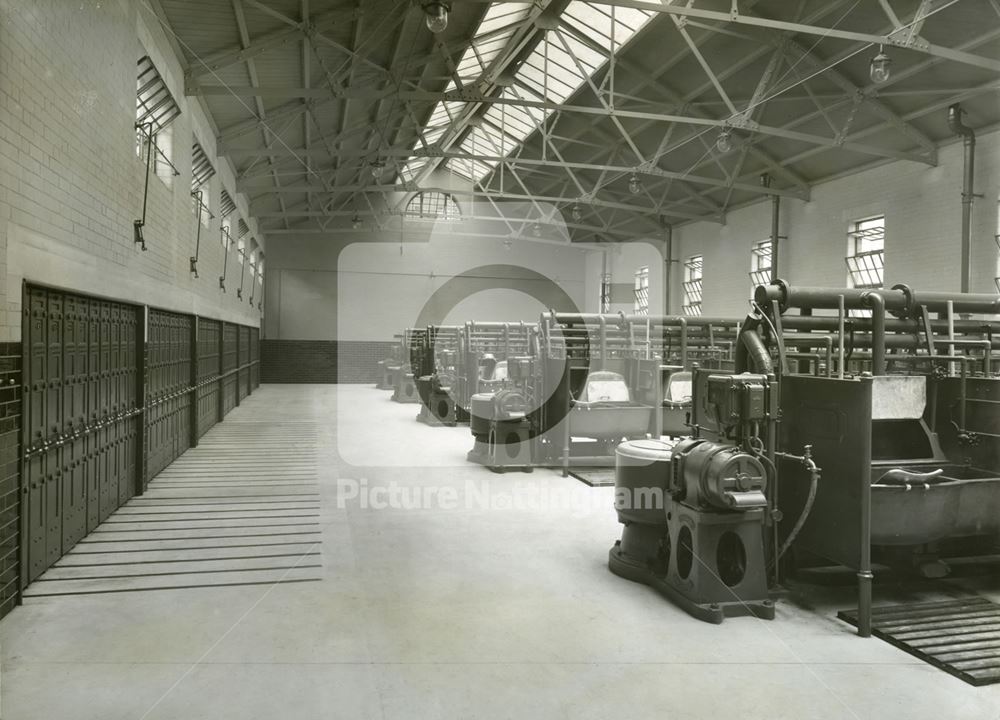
x=70, y=182
x=922, y=206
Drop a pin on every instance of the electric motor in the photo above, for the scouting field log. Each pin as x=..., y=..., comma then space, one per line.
x=509, y=405
x=708, y=474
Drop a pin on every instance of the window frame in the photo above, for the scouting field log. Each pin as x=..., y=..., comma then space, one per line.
x=760, y=274
x=156, y=109
x=433, y=205
x=866, y=265
x=605, y=297
x=641, y=289
x=693, y=285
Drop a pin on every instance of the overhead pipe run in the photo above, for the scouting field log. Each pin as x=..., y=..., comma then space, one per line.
x=956, y=125
x=900, y=300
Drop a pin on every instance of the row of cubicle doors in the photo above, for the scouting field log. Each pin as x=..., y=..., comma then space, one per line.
x=112, y=394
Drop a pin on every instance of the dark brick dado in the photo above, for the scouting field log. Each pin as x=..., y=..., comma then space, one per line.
x=10, y=496
x=322, y=361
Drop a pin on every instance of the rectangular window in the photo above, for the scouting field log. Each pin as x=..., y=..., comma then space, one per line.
x=866, y=253
x=200, y=205
x=227, y=206
x=693, y=269
x=241, y=249
x=163, y=152
x=642, y=291
x=201, y=172
x=155, y=110
x=606, y=293
x=760, y=264
x=201, y=167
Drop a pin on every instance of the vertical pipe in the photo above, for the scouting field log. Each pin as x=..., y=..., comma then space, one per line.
x=773, y=405
x=865, y=575
x=951, y=334
x=684, y=343
x=765, y=180
x=877, y=303
x=668, y=264
x=968, y=191
x=775, y=218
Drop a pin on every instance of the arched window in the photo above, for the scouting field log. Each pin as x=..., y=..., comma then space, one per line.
x=433, y=205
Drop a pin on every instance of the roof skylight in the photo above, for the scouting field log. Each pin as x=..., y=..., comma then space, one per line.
x=559, y=65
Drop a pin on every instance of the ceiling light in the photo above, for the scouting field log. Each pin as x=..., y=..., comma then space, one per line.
x=436, y=15
x=881, y=67
x=376, y=167
x=724, y=143
x=355, y=221
x=536, y=229
x=634, y=186
x=577, y=213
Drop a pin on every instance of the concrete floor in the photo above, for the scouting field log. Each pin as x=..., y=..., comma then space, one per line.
x=498, y=608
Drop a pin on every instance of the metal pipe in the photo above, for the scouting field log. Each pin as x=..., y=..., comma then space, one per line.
x=877, y=303
x=137, y=225
x=564, y=318
x=840, y=336
x=956, y=125
x=865, y=576
x=775, y=222
x=684, y=342
x=899, y=299
x=225, y=258
x=757, y=354
x=812, y=341
x=197, y=238
x=951, y=328
x=668, y=264
x=910, y=326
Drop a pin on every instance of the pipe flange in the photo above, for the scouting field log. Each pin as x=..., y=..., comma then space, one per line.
x=763, y=301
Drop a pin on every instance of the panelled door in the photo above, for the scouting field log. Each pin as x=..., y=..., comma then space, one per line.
x=80, y=419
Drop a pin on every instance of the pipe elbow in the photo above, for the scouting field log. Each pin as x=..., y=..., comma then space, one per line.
x=955, y=123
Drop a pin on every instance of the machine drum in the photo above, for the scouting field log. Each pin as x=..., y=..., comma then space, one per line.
x=707, y=474
x=641, y=472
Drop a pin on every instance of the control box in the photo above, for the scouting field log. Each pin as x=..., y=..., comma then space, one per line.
x=737, y=398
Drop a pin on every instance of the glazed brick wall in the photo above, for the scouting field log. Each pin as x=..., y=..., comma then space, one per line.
x=321, y=361
x=10, y=442
x=71, y=184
